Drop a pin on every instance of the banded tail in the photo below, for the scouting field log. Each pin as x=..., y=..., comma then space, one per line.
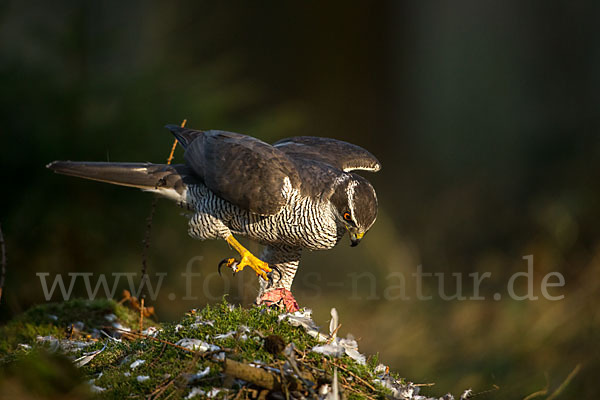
x=166, y=180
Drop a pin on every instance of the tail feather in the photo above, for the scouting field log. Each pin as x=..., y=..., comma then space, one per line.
x=167, y=180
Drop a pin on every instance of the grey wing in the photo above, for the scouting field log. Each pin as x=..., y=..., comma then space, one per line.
x=340, y=154
x=241, y=169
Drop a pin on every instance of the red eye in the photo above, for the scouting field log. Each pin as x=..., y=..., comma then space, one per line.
x=347, y=216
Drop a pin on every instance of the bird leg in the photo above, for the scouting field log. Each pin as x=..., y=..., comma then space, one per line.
x=248, y=259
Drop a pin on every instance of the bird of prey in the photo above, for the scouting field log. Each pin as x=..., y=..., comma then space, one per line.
x=298, y=193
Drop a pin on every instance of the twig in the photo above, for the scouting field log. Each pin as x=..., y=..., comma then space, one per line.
x=539, y=393
x=149, y=224
x=493, y=389
x=161, y=389
x=3, y=273
x=361, y=380
x=286, y=392
x=305, y=380
x=175, y=145
x=169, y=395
x=350, y=388
x=159, y=356
x=334, y=333
x=164, y=386
x=205, y=354
x=142, y=315
x=244, y=391
x=566, y=382
x=147, y=244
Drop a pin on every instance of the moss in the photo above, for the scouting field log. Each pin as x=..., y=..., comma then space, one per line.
x=40, y=374
x=52, y=319
x=170, y=370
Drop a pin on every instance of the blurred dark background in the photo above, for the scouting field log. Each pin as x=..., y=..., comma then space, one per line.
x=484, y=114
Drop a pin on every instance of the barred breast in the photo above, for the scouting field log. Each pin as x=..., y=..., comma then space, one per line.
x=302, y=222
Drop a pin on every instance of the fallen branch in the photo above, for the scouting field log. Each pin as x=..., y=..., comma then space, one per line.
x=3, y=262
x=262, y=378
x=255, y=375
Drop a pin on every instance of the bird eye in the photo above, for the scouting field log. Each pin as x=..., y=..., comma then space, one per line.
x=347, y=216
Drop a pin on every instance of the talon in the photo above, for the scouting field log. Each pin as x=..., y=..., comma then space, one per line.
x=247, y=260
x=230, y=263
x=270, y=274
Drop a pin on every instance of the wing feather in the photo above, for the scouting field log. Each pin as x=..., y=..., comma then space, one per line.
x=340, y=154
x=241, y=169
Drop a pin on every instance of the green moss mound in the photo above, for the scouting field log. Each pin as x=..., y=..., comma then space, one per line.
x=205, y=354
x=53, y=319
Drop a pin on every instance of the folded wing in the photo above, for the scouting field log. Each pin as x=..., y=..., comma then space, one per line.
x=241, y=169
x=340, y=154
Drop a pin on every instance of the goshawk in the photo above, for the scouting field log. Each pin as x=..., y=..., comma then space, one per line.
x=296, y=194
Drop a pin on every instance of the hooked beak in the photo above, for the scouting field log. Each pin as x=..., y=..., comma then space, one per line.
x=355, y=237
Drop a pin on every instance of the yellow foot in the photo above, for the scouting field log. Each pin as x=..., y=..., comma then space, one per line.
x=248, y=259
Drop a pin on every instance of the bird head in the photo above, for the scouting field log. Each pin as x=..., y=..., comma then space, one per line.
x=355, y=206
